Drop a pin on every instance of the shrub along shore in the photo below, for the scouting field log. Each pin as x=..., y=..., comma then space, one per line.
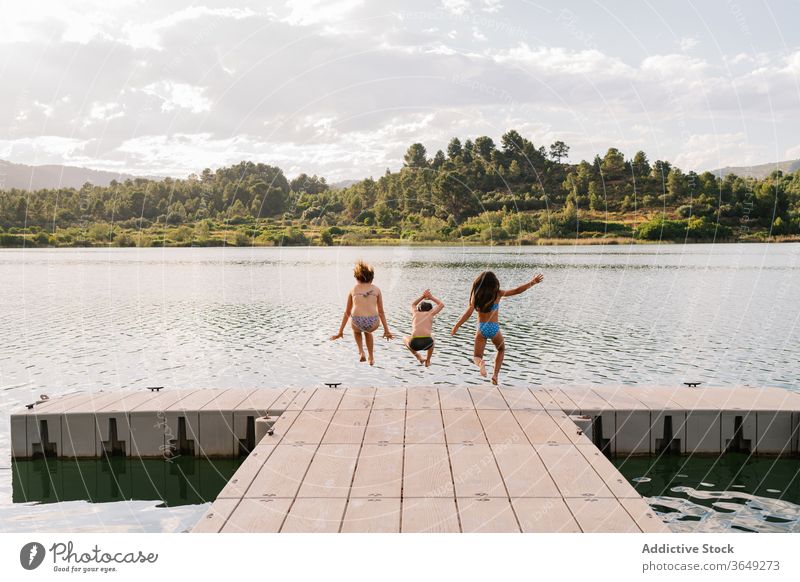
x=266, y=233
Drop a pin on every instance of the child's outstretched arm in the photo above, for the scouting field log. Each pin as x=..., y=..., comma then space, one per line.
x=386, y=333
x=522, y=288
x=345, y=317
x=463, y=318
x=439, y=304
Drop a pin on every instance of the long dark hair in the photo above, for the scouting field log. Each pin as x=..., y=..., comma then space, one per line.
x=484, y=290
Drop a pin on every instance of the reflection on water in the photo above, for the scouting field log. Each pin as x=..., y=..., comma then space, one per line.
x=179, y=481
x=734, y=492
x=120, y=495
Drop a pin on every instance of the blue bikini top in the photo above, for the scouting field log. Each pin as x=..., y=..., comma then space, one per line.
x=494, y=307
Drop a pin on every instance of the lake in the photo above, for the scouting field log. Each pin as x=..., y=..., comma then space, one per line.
x=112, y=319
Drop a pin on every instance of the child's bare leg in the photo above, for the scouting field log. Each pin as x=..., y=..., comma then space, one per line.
x=359, y=343
x=370, y=341
x=407, y=341
x=480, y=346
x=428, y=357
x=500, y=343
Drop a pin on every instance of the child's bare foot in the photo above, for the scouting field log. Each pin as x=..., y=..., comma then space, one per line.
x=427, y=363
x=494, y=379
x=372, y=361
x=362, y=357
x=419, y=358
x=481, y=365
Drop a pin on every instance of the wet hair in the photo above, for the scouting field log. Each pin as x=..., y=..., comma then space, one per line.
x=363, y=272
x=484, y=290
x=424, y=306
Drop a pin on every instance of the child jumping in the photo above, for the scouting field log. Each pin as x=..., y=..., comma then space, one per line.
x=422, y=314
x=485, y=297
x=365, y=309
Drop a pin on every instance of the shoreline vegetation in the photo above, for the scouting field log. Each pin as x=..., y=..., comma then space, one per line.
x=475, y=193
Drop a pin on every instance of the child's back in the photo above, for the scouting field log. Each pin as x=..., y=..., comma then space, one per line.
x=422, y=323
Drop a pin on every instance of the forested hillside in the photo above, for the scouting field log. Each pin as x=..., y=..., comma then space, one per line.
x=475, y=191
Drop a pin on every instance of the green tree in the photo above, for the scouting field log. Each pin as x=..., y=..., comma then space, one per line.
x=438, y=160
x=237, y=213
x=558, y=151
x=661, y=171
x=454, y=148
x=641, y=165
x=326, y=237
x=676, y=185
x=513, y=144
x=415, y=156
x=202, y=232
x=595, y=197
x=613, y=165
x=484, y=145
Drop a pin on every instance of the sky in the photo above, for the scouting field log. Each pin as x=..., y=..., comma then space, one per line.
x=341, y=88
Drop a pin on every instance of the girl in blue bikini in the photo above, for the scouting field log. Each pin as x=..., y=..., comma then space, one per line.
x=485, y=297
x=365, y=309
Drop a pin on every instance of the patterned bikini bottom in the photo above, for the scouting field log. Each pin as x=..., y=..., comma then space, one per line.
x=488, y=329
x=365, y=322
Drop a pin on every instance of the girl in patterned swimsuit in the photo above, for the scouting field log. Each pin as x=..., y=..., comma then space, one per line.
x=365, y=308
x=485, y=297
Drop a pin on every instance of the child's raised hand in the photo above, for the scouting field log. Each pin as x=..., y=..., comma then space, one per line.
x=426, y=294
x=537, y=279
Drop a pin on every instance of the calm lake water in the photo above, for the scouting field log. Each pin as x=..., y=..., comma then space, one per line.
x=90, y=319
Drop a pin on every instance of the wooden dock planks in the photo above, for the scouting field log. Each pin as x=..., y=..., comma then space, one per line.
x=417, y=459
x=283, y=472
x=331, y=471
x=426, y=471
x=372, y=515
x=347, y=427
x=573, y=474
x=386, y=426
x=430, y=515
x=379, y=471
x=475, y=472
x=462, y=426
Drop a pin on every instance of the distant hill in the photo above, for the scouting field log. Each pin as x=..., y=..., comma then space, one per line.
x=343, y=184
x=759, y=171
x=53, y=176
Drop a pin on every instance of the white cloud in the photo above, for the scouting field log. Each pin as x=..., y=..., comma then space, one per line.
x=457, y=7
x=341, y=88
x=45, y=108
x=717, y=150
x=561, y=60
x=491, y=5
x=74, y=22
x=792, y=153
x=308, y=12
x=42, y=149
x=104, y=112
x=179, y=96
x=148, y=34
x=674, y=67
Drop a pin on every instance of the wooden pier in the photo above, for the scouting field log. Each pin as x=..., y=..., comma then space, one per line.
x=423, y=458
